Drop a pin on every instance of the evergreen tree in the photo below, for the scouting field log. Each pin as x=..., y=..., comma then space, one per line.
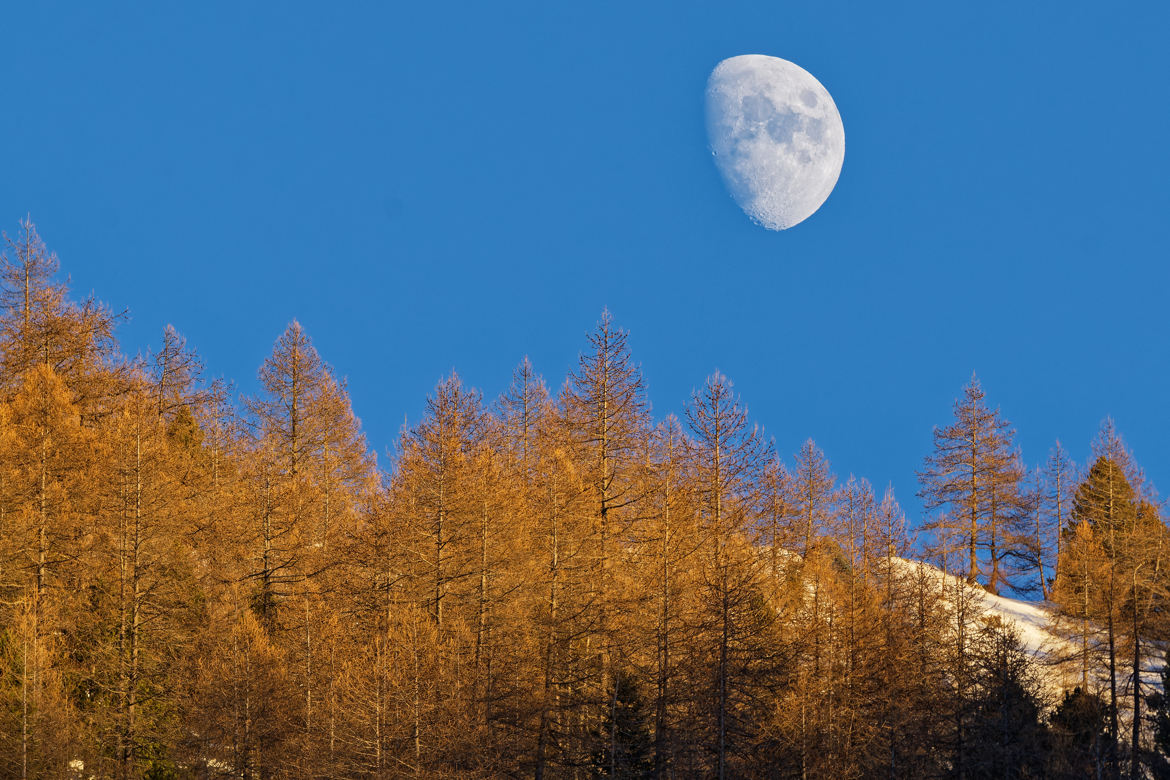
x=1112, y=576
x=1158, y=703
x=1006, y=736
x=625, y=736
x=1105, y=504
x=1078, y=728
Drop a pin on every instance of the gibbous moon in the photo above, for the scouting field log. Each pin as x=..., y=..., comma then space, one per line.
x=777, y=138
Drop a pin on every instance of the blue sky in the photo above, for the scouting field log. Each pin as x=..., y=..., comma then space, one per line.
x=448, y=185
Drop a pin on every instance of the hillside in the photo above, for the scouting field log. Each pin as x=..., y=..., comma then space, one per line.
x=1057, y=656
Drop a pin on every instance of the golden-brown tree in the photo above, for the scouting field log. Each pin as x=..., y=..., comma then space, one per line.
x=729, y=457
x=974, y=476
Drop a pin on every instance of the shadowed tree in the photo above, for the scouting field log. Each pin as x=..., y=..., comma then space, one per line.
x=1007, y=738
x=1158, y=703
x=1078, y=728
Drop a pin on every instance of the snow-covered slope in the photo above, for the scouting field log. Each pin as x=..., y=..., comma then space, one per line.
x=1058, y=655
x=1033, y=620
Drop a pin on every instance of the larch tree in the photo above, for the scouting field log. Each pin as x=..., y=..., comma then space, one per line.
x=729, y=457
x=1146, y=596
x=142, y=608
x=307, y=469
x=775, y=531
x=38, y=720
x=972, y=477
x=607, y=416
x=436, y=467
x=855, y=628
x=307, y=447
x=213, y=473
x=816, y=511
x=1058, y=481
x=857, y=526
x=564, y=611
x=191, y=583
x=670, y=545
x=893, y=577
x=521, y=409
x=48, y=461
x=175, y=372
x=29, y=295
x=448, y=484
x=498, y=542
x=1010, y=530
x=238, y=697
x=1038, y=549
x=41, y=325
x=813, y=496
x=857, y=523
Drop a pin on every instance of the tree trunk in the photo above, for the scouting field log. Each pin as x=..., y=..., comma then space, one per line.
x=1135, y=742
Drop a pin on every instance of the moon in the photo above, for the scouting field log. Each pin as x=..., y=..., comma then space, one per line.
x=776, y=136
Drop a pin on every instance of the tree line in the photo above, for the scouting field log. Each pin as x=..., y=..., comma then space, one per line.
x=547, y=584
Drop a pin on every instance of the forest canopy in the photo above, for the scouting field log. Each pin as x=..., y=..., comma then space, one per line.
x=195, y=584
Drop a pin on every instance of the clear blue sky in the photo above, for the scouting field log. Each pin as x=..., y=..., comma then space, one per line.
x=455, y=185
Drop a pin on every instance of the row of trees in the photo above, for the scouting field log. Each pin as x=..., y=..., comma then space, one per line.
x=546, y=585
x=995, y=520
x=1094, y=542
